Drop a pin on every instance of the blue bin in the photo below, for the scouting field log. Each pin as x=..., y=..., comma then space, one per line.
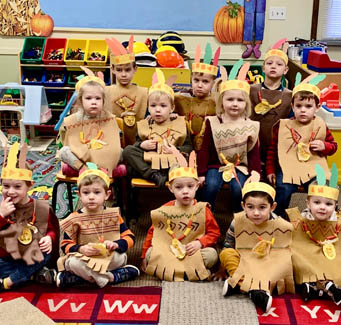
x=47, y=76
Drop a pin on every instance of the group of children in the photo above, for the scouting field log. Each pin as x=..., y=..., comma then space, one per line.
x=240, y=135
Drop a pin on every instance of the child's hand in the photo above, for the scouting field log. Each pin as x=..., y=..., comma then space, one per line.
x=144, y=265
x=6, y=207
x=220, y=275
x=148, y=145
x=272, y=179
x=45, y=244
x=317, y=145
x=192, y=247
x=88, y=250
x=110, y=245
x=173, y=116
x=202, y=180
x=168, y=149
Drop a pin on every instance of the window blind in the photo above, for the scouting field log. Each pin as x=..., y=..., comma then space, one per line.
x=329, y=21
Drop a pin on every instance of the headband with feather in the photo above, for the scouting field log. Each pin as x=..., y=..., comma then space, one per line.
x=277, y=51
x=159, y=83
x=90, y=76
x=206, y=66
x=119, y=54
x=308, y=84
x=184, y=170
x=253, y=184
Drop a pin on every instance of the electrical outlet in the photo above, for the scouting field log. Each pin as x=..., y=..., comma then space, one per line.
x=278, y=13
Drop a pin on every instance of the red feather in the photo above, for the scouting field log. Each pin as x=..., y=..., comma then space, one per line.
x=216, y=56
x=279, y=43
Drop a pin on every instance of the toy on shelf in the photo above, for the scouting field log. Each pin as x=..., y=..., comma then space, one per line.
x=330, y=96
x=320, y=62
x=255, y=77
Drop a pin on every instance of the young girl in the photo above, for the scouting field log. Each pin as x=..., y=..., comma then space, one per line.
x=91, y=134
x=230, y=146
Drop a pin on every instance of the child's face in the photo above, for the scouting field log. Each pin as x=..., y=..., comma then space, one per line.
x=202, y=85
x=124, y=73
x=320, y=207
x=93, y=197
x=304, y=109
x=184, y=190
x=274, y=67
x=160, y=107
x=16, y=190
x=92, y=101
x=234, y=103
x=258, y=209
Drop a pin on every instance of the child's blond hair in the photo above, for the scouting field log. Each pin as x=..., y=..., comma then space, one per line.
x=157, y=94
x=220, y=108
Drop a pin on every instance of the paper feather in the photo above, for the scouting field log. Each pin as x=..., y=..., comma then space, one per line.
x=22, y=156
x=87, y=71
x=115, y=46
x=223, y=73
x=197, y=54
x=279, y=43
x=192, y=160
x=91, y=165
x=285, y=47
x=154, y=78
x=235, y=69
x=316, y=80
x=320, y=175
x=180, y=158
x=130, y=44
x=243, y=71
x=298, y=79
x=100, y=75
x=307, y=80
x=171, y=80
x=160, y=76
x=208, y=54
x=334, y=176
x=12, y=155
x=216, y=56
x=254, y=177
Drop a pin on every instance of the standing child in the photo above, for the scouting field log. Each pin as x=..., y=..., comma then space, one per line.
x=316, y=248
x=124, y=99
x=230, y=147
x=158, y=137
x=91, y=134
x=199, y=103
x=95, y=237
x=270, y=100
x=256, y=253
x=298, y=144
x=180, y=242
x=29, y=229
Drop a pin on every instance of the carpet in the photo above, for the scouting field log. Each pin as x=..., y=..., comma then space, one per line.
x=89, y=305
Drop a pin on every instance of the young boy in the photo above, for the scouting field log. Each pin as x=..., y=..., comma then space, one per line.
x=180, y=242
x=124, y=99
x=198, y=104
x=95, y=237
x=298, y=144
x=256, y=252
x=316, y=249
x=158, y=137
x=29, y=229
x=270, y=100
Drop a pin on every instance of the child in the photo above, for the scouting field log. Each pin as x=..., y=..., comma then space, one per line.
x=230, y=146
x=29, y=233
x=180, y=242
x=124, y=99
x=91, y=134
x=199, y=104
x=95, y=237
x=316, y=250
x=158, y=137
x=298, y=144
x=270, y=100
x=256, y=252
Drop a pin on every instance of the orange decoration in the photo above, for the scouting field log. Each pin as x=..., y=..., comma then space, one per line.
x=170, y=59
x=42, y=25
x=228, y=23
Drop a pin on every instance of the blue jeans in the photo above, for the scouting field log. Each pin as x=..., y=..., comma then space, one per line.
x=214, y=181
x=254, y=20
x=18, y=271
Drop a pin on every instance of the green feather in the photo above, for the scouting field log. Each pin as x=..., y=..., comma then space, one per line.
x=208, y=54
x=235, y=69
x=298, y=79
x=320, y=175
x=91, y=165
x=334, y=176
x=316, y=80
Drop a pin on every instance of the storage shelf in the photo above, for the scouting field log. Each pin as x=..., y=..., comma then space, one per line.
x=64, y=66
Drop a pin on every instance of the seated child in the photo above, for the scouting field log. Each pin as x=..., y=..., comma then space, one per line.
x=256, y=252
x=316, y=249
x=29, y=234
x=180, y=242
x=91, y=134
x=198, y=104
x=124, y=99
x=230, y=148
x=298, y=144
x=158, y=137
x=95, y=237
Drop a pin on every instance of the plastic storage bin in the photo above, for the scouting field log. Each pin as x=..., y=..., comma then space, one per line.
x=50, y=74
x=32, y=76
x=71, y=79
x=74, y=44
x=54, y=44
x=30, y=43
x=56, y=98
x=97, y=46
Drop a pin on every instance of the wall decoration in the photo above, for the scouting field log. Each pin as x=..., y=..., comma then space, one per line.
x=42, y=25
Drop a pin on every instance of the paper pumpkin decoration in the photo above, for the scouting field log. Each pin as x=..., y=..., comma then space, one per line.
x=42, y=25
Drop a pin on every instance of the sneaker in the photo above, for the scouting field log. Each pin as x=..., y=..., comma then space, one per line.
x=261, y=299
x=159, y=179
x=66, y=279
x=309, y=291
x=228, y=290
x=2, y=287
x=334, y=291
x=46, y=276
x=125, y=273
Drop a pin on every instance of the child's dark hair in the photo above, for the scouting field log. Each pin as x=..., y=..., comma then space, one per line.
x=133, y=64
x=90, y=179
x=258, y=194
x=302, y=95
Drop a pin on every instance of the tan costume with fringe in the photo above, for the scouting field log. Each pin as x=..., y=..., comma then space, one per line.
x=275, y=268
x=108, y=155
x=295, y=171
x=163, y=263
x=310, y=264
x=130, y=103
x=85, y=228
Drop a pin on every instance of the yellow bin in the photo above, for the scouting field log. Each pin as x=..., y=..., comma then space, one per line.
x=75, y=44
x=100, y=46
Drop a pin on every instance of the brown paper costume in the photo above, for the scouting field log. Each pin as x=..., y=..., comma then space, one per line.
x=258, y=272
x=163, y=261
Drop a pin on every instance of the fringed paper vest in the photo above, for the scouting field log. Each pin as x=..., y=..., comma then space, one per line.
x=83, y=229
x=263, y=272
x=105, y=157
x=163, y=263
x=310, y=263
x=295, y=171
x=234, y=140
x=195, y=110
x=130, y=103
